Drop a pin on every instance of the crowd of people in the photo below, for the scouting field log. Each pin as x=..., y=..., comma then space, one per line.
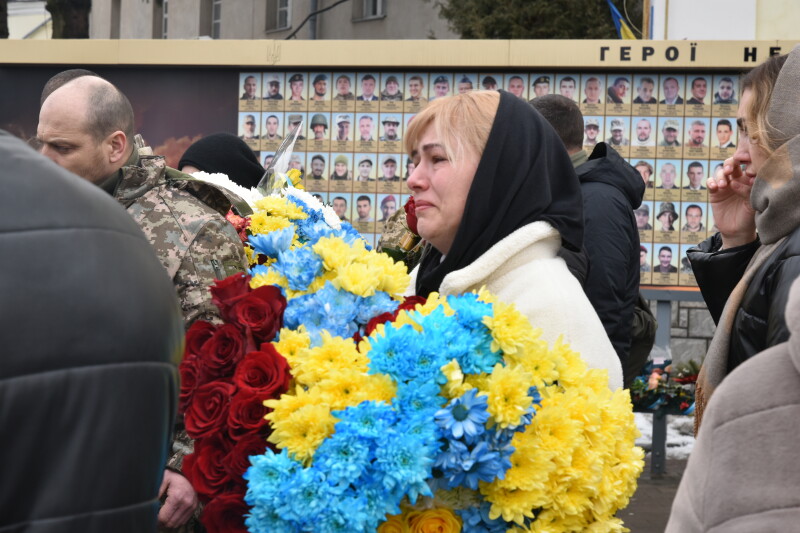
x=505, y=197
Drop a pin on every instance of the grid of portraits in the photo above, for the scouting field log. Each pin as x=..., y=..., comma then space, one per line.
x=676, y=129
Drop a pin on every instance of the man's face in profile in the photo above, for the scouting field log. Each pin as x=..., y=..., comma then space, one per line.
x=693, y=216
x=339, y=207
x=515, y=87
x=670, y=89
x=642, y=219
x=541, y=89
x=365, y=128
x=388, y=209
x=367, y=88
x=645, y=91
x=695, y=175
x=415, y=88
x=591, y=132
x=642, y=258
x=643, y=130
x=363, y=209
x=343, y=86
x=665, y=257
x=441, y=89
x=317, y=168
x=699, y=89
x=668, y=176
x=725, y=90
x=670, y=135
x=364, y=169
x=250, y=86
x=592, y=91
x=389, y=169
x=567, y=89
x=272, y=126
x=723, y=133
x=644, y=172
x=274, y=87
x=698, y=133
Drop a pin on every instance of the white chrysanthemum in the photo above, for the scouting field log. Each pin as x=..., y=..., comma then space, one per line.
x=251, y=196
x=331, y=218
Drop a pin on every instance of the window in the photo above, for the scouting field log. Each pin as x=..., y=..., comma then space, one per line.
x=368, y=9
x=279, y=15
x=216, y=18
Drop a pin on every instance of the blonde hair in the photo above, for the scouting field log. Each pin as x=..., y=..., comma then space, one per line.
x=760, y=82
x=462, y=123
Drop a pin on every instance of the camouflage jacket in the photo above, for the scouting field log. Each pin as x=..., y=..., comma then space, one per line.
x=395, y=241
x=184, y=220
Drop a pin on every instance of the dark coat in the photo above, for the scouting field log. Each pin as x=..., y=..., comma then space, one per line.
x=759, y=322
x=91, y=330
x=612, y=189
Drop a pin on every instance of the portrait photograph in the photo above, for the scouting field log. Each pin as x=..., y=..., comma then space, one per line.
x=365, y=173
x=295, y=92
x=249, y=129
x=726, y=95
x=416, y=91
x=366, y=132
x=618, y=132
x=696, y=140
x=593, y=128
x=618, y=94
x=391, y=94
x=390, y=130
x=686, y=275
x=318, y=132
x=272, y=130
x=363, y=215
x=343, y=92
x=567, y=85
x=541, y=84
x=645, y=263
x=517, y=84
x=466, y=82
x=669, y=138
x=592, y=94
x=724, y=137
x=316, y=179
x=367, y=92
x=693, y=225
x=643, y=137
x=668, y=180
x=341, y=172
x=698, y=95
x=249, y=91
x=390, y=174
x=644, y=89
x=342, y=132
x=489, y=81
x=671, y=95
x=441, y=85
x=320, y=91
x=693, y=180
x=646, y=169
x=342, y=203
x=272, y=93
x=665, y=263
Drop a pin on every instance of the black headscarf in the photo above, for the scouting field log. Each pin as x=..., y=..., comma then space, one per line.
x=524, y=175
x=224, y=153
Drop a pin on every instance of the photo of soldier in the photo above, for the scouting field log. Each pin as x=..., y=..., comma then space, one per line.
x=249, y=130
x=392, y=93
x=667, y=222
x=592, y=132
x=724, y=143
x=319, y=94
x=645, y=169
x=416, y=92
x=441, y=86
x=388, y=206
x=267, y=157
x=645, y=263
x=693, y=230
x=489, y=81
x=670, y=138
x=272, y=132
x=725, y=101
x=365, y=173
x=366, y=136
x=665, y=264
x=295, y=92
x=618, y=134
x=389, y=180
x=341, y=177
x=643, y=137
x=317, y=177
x=693, y=185
x=367, y=100
x=668, y=180
x=272, y=86
x=365, y=211
x=619, y=90
x=698, y=88
x=293, y=122
x=517, y=85
x=540, y=85
x=686, y=275
x=342, y=135
x=322, y=196
x=466, y=83
x=343, y=97
x=250, y=84
x=390, y=134
x=318, y=134
x=342, y=203
x=671, y=101
x=696, y=143
x=567, y=86
x=410, y=166
x=643, y=220
x=592, y=101
x=645, y=87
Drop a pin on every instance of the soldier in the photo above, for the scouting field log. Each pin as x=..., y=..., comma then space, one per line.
x=340, y=171
x=296, y=85
x=294, y=121
x=250, y=87
x=392, y=90
x=320, y=86
x=273, y=88
x=390, y=125
x=319, y=125
x=670, y=133
x=541, y=86
x=86, y=126
x=343, y=91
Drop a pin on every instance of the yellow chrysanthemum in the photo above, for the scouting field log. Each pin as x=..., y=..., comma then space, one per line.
x=510, y=329
x=512, y=505
x=334, y=353
x=291, y=342
x=347, y=388
x=295, y=177
x=358, y=278
x=394, y=278
x=272, y=277
x=280, y=207
x=507, y=395
x=455, y=385
x=334, y=252
x=250, y=255
x=303, y=430
x=264, y=223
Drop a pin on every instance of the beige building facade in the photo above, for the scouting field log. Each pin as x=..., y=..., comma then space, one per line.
x=267, y=19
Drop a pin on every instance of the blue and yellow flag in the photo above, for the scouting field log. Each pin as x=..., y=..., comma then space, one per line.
x=623, y=30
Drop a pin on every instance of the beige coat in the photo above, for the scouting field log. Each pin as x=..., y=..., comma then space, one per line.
x=523, y=269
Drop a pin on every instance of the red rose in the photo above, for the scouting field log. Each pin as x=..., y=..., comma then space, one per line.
x=247, y=413
x=266, y=371
x=225, y=293
x=411, y=302
x=208, y=410
x=197, y=335
x=205, y=468
x=238, y=460
x=261, y=312
x=192, y=376
x=374, y=321
x=225, y=513
x=411, y=215
x=222, y=351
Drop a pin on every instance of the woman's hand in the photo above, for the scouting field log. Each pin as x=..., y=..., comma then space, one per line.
x=729, y=196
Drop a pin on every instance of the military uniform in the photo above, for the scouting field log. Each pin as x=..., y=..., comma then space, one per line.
x=395, y=241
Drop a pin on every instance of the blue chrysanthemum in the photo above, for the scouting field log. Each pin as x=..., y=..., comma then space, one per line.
x=465, y=417
x=299, y=267
x=273, y=243
x=476, y=520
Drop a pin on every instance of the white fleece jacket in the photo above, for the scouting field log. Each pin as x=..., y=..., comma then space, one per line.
x=523, y=269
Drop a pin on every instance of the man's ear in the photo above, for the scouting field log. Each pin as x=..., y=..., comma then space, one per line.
x=118, y=147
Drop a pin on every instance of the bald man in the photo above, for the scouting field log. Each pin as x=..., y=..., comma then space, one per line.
x=86, y=126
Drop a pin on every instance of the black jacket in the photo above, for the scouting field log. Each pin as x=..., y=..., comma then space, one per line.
x=612, y=189
x=90, y=329
x=759, y=322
